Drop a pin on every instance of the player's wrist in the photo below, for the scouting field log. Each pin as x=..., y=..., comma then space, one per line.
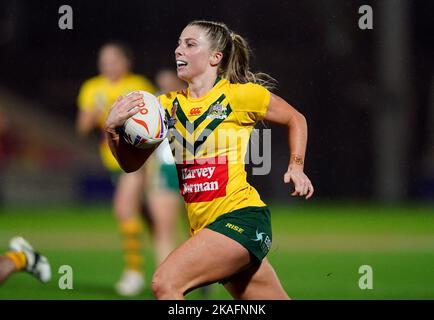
x=114, y=132
x=296, y=161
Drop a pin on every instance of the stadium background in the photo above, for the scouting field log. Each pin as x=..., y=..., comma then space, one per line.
x=368, y=96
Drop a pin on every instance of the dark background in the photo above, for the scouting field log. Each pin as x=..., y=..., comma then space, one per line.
x=327, y=67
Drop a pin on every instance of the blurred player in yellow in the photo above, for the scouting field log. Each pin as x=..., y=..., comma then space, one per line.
x=22, y=257
x=164, y=198
x=95, y=98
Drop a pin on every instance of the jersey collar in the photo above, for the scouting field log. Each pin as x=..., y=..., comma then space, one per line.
x=218, y=83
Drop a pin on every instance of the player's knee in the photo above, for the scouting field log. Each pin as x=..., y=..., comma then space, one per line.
x=163, y=287
x=160, y=286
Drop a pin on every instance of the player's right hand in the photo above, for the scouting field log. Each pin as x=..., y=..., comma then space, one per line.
x=122, y=109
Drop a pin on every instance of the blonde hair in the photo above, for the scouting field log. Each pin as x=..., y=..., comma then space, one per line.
x=235, y=64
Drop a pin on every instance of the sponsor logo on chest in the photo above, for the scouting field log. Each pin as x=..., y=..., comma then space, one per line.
x=199, y=173
x=203, y=180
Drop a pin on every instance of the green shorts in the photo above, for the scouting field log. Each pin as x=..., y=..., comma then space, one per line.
x=114, y=176
x=169, y=177
x=250, y=226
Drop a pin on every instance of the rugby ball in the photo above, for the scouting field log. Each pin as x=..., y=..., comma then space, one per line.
x=148, y=127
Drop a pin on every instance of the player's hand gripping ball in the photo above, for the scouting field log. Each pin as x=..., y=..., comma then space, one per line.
x=148, y=127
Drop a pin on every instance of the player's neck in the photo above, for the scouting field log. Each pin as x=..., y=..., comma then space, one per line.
x=201, y=85
x=117, y=78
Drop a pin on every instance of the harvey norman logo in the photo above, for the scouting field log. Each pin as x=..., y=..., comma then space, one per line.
x=200, y=172
x=203, y=182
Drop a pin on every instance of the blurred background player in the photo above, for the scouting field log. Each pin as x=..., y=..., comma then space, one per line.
x=163, y=194
x=22, y=257
x=9, y=144
x=167, y=81
x=95, y=98
x=3, y=148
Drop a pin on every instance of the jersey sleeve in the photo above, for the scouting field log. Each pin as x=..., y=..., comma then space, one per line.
x=85, y=100
x=251, y=102
x=165, y=100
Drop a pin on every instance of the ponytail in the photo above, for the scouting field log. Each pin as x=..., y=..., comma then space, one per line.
x=235, y=65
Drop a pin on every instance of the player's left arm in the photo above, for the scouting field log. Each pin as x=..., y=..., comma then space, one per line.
x=282, y=113
x=129, y=158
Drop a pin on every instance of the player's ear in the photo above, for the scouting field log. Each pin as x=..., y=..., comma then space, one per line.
x=216, y=58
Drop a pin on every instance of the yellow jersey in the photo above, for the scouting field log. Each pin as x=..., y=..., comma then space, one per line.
x=99, y=94
x=209, y=138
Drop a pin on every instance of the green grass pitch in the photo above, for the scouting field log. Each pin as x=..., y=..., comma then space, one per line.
x=317, y=251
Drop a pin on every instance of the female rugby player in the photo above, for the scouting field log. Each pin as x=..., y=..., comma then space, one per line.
x=230, y=224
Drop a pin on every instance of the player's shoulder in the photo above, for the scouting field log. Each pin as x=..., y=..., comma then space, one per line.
x=136, y=77
x=172, y=95
x=93, y=81
x=141, y=81
x=246, y=88
x=92, y=84
x=245, y=93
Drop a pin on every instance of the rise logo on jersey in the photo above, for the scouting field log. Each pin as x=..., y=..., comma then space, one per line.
x=204, y=179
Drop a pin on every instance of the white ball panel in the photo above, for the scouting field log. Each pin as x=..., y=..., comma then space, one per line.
x=143, y=129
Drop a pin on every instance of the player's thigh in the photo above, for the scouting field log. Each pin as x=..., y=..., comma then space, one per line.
x=206, y=257
x=129, y=192
x=259, y=282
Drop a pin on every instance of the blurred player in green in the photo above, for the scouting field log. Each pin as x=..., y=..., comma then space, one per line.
x=163, y=194
x=163, y=197
x=95, y=98
x=22, y=257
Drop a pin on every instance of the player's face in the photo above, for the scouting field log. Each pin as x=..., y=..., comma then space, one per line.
x=112, y=63
x=192, y=53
